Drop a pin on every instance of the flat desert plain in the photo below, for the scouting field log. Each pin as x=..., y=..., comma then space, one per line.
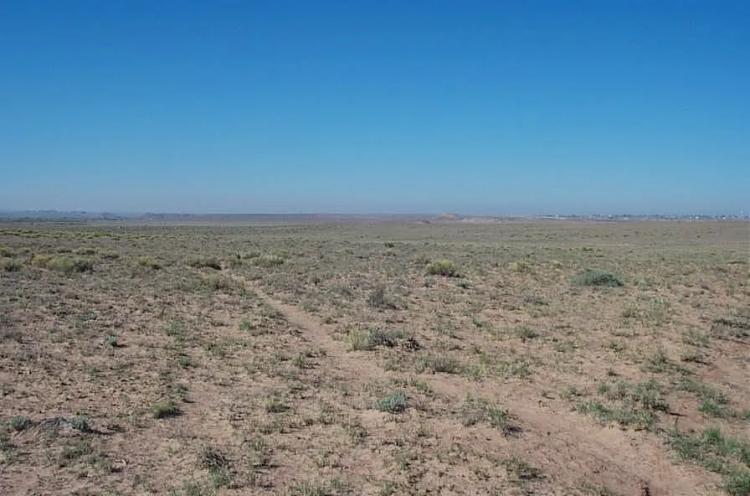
x=507, y=358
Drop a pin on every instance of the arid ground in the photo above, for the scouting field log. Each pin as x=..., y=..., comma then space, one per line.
x=564, y=358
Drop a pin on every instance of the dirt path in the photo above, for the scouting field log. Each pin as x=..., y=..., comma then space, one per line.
x=574, y=450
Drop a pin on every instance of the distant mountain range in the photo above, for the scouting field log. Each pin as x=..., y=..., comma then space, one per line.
x=446, y=218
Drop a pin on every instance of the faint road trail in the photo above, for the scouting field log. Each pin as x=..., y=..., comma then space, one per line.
x=572, y=448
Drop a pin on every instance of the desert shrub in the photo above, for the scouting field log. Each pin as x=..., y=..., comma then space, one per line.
x=165, y=409
x=80, y=423
x=378, y=298
x=111, y=341
x=591, y=277
x=85, y=250
x=176, y=329
x=63, y=264
x=205, y=262
x=522, y=267
x=438, y=363
x=109, y=255
x=269, y=260
x=444, y=268
x=7, y=265
x=372, y=338
x=275, y=404
x=476, y=410
x=519, y=470
x=393, y=403
x=20, y=423
x=218, y=466
x=149, y=263
x=525, y=333
x=217, y=283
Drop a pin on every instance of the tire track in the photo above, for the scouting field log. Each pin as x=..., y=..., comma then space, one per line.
x=574, y=449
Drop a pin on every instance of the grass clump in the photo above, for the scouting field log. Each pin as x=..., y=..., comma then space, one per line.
x=393, y=403
x=659, y=363
x=149, y=263
x=176, y=329
x=217, y=283
x=81, y=423
x=20, y=423
x=599, y=278
x=476, y=410
x=7, y=265
x=379, y=298
x=444, y=268
x=372, y=338
x=165, y=409
x=631, y=405
x=274, y=404
x=269, y=260
x=205, y=262
x=525, y=333
x=520, y=471
x=438, y=363
x=65, y=265
x=218, y=466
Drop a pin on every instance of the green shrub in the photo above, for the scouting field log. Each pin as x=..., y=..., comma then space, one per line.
x=444, y=268
x=165, y=409
x=393, y=403
x=600, y=278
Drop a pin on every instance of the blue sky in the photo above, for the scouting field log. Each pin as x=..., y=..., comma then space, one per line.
x=383, y=106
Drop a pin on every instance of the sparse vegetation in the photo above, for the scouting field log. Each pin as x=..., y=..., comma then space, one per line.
x=372, y=338
x=476, y=410
x=718, y=453
x=65, y=265
x=149, y=262
x=10, y=265
x=205, y=262
x=20, y=423
x=591, y=277
x=329, y=359
x=443, y=267
x=165, y=409
x=392, y=403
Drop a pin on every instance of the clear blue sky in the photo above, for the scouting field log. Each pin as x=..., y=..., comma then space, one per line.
x=384, y=106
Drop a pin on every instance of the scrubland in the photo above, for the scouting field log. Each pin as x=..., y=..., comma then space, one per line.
x=514, y=358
